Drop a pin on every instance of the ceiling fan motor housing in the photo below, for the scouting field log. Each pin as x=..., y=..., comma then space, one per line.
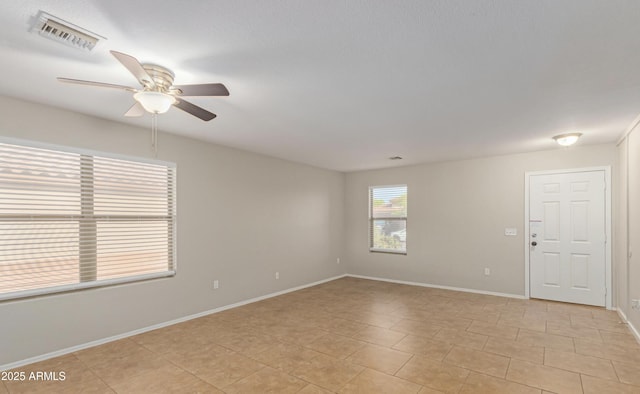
x=162, y=77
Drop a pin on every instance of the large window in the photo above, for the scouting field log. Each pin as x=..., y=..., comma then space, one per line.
x=72, y=219
x=388, y=219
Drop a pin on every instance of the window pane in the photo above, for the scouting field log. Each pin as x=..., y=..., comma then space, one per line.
x=389, y=202
x=72, y=219
x=388, y=218
x=132, y=248
x=390, y=234
x=38, y=255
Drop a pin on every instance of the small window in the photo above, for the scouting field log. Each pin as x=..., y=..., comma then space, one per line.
x=72, y=219
x=388, y=219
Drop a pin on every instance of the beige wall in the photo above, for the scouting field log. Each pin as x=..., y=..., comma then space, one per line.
x=457, y=213
x=628, y=227
x=241, y=218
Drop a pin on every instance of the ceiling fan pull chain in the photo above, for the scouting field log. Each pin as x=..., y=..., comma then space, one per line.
x=154, y=134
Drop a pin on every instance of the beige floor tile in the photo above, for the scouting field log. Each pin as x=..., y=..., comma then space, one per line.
x=222, y=372
x=627, y=372
x=447, y=320
x=434, y=374
x=567, y=330
x=313, y=389
x=423, y=346
x=429, y=390
x=531, y=324
x=246, y=344
x=622, y=339
x=610, y=351
x=335, y=345
x=483, y=316
x=267, y=380
x=298, y=335
x=604, y=314
x=116, y=370
x=168, y=379
x=417, y=327
x=77, y=377
x=462, y=338
x=579, y=363
x=593, y=385
x=379, y=320
x=607, y=325
x=509, y=348
x=482, y=384
x=196, y=361
x=530, y=303
x=109, y=351
x=493, y=330
x=573, y=309
x=556, y=317
x=479, y=361
x=541, y=376
x=285, y=356
x=379, y=336
x=378, y=325
x=327, y=372
x=370, y=381
x=342, y=326
x=534, y=338
x=76, y=380
x=380, y=358
x=515, y=314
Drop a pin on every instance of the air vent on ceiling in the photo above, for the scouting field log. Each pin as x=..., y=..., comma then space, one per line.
x=67, y=33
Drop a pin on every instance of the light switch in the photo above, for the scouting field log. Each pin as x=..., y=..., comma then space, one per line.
x=510, y=231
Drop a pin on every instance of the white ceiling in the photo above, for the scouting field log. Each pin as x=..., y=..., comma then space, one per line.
x=345, y=84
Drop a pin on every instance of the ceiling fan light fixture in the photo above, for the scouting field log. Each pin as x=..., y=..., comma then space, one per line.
x=567, y=139
x=155, y=102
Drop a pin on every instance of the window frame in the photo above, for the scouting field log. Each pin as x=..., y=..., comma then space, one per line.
x=372, y=220
x=87, y=274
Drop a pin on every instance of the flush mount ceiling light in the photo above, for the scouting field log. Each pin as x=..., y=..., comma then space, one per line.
x=567, y=139
x=155, y=102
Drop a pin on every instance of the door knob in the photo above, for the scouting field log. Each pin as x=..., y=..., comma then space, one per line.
x=534, y=243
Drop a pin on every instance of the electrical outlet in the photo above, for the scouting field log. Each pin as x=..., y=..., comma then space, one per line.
x=215, y=284
x=338, y=260
x=487, y=271
x=277, y=275
x=635, y=304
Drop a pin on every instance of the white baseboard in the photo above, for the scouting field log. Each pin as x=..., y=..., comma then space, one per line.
x=102, y=341
x=633, y=329
x=403, y=282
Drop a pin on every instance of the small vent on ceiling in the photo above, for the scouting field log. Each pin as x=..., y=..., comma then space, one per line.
x=62, y=31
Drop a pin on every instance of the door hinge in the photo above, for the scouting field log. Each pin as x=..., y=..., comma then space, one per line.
x=605, y=291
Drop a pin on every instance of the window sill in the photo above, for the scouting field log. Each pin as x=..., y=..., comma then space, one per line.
x=389, y=251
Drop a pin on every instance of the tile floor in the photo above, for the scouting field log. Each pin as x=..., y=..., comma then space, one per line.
x=359, y=336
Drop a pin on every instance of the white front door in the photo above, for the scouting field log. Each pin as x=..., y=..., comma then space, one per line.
x=567, y=235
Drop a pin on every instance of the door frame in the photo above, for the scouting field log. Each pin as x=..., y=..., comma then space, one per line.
x=608, y=248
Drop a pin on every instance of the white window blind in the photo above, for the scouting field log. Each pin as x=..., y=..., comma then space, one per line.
x=71, y=219
x=388, y=219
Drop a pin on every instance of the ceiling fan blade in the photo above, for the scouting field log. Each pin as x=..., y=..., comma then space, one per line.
x=194, y=109
x=133, y=65
x=136, y=110
x=205, y=89
x=99, y=84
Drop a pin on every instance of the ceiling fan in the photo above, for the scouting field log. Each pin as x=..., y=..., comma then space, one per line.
x=158, y=92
